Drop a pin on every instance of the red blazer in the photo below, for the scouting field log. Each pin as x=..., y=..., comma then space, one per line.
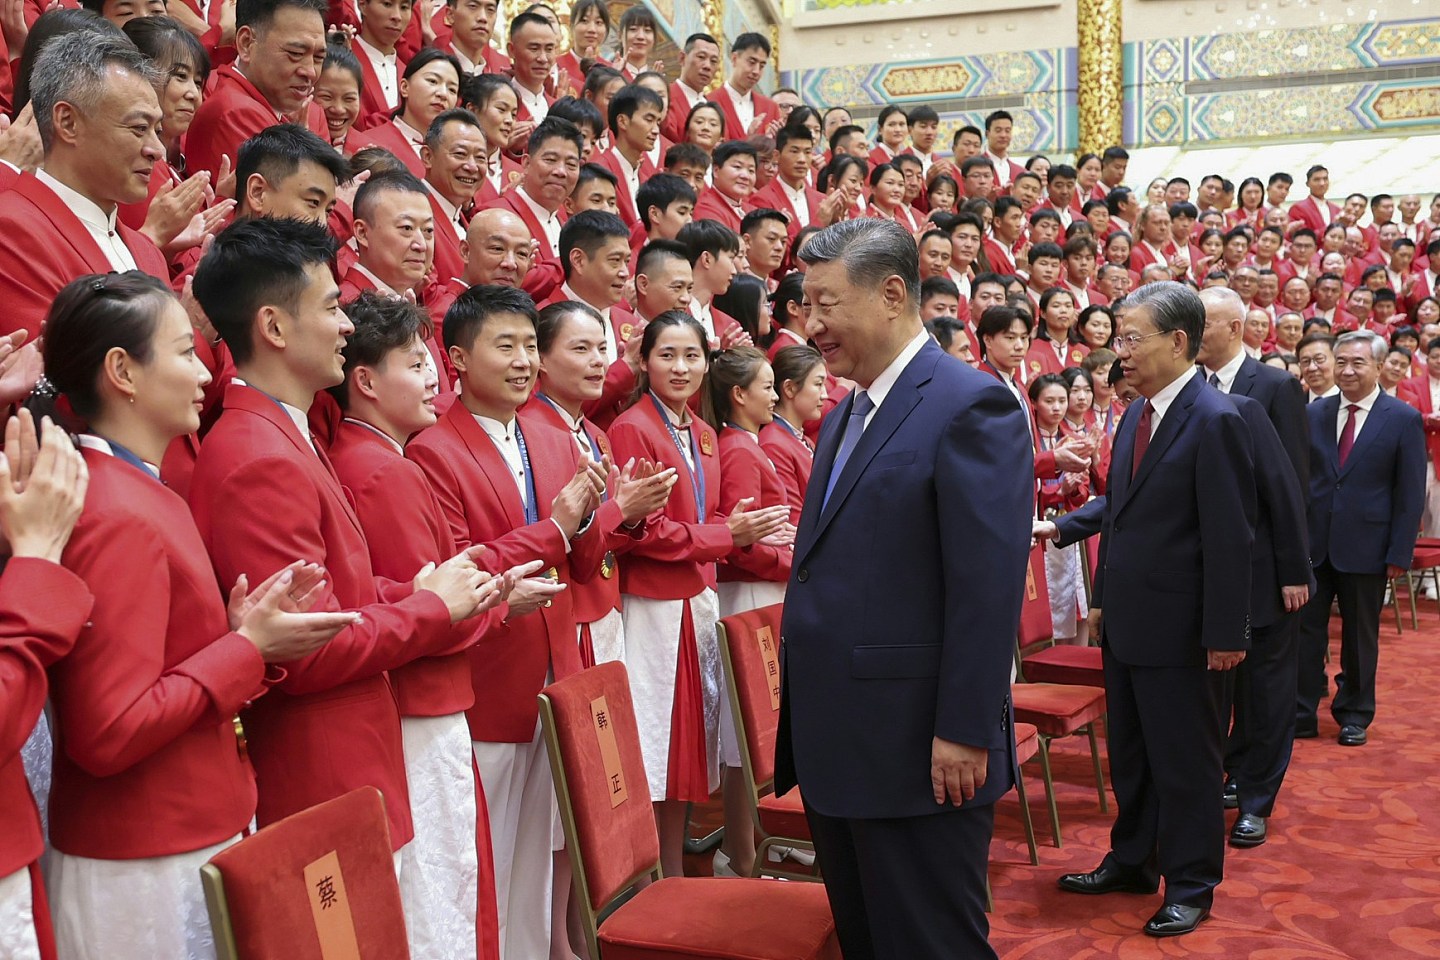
x=147, y=763
x=746, y=471
x=569, y=63
x=387, y=135
x=405, y=530
x=1309, y=212
x=596, y=597
x=232, y=113
x=712, y=206
x=448, y=263
x=676, y=558
x=479, y=500
x=765, y=111
x=1416, y=392
x=522, y=112
x=773, y=197
x=619, y=378
x=611, y=161
x=263, y=499
x=546, y=275
x=374, y=109
x=354, y=283
x=1050, y=495
x=1234, y=218
x=677, y=111
x=1040, y=358
x=343, y=13
x=1141, y=257
x=44, y=609
x=1001, y=261
x=510, y=173
x=56, y=249
x=793, y=458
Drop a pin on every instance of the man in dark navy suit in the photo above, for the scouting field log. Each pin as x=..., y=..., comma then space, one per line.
x=902, y=611
x=1367, y=491
x=1262, y=736
x=1174, y=584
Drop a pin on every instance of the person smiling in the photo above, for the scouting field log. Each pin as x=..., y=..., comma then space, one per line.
x=430, y=86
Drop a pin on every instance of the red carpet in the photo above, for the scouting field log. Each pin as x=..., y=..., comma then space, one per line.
x=1351, y=869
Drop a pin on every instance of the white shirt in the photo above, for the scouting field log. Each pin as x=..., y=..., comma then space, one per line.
x=503, y=436
x=381, y=287
x=1334, y=390
x=632, y=179
x=692, y=97
x=1166, y=396
x=681, y=425
x=577, y=430
x=881, y=386
x=549, y=222
x=798, y=201
x=610, y=345
x=91, y=442
x=1360, y=415
x=386, y=69
x=101, y=227
x=466, y=64
x=1002, y=168
x=744, y=110
x=414, y=137
x=1227, y=373
x=1254, y=353
x=1080, y=295
x=534, y=102
x=1434, y=393
x=1432, y=282
x=297, y=416
x=701, y=311
x=452, y=212
x=495, y=170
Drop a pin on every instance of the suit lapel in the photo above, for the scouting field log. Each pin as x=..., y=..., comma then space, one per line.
x=1374, y=425
x=1244, y=383
x=482, y=450
x=1329, y=441
x=1166, y=433
x=67, y=225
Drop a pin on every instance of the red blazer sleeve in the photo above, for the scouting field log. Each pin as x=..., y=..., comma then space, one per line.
x=666, y=538
x=269, y=521
x=742, y=476
x=116, y=700
x=43, y=607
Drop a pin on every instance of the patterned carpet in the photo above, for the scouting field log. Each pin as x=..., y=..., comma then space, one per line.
x=1351, y=869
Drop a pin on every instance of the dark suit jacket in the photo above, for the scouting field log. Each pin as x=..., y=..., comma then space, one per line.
x=1366, y=514
x=1284, y=402
x=904, y=596
x=1175, y=541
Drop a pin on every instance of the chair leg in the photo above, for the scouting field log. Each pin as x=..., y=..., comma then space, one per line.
x=1410, y=588
x=1026, y=819
x=1395, y=603
x=1050, y=789
x=704, y=844
x=1099, y=773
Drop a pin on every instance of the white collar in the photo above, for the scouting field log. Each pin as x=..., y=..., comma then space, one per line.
x=375, y=54
x=1228, y=372
x=737, y=96
x=1167, y=394
x=85, y=209
x=495, y=430
x=544, y=216
x=466, y=64
x=1364, y=403
x=91, y=442
x=380, y=285
x=415, y=137
x=570, y=294
x=533, y=101
x=297, y=416
x=691, y=94
x=881, y=386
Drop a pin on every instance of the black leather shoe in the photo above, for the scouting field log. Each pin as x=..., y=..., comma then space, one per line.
x=1173, y=919
x=1106, y=879
x=1249, y=831
x=1230, y=795
x=1352, y=735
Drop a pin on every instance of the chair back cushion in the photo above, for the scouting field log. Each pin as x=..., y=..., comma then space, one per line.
x=1035, y=622
x=752, y=643
x=323, y=875
x=603, y=781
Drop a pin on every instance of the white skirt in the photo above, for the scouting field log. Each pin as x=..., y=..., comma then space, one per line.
x=17, y=918
x=738, y=597
x=36, y=756
x=652, y=648
x=131, y=909
x=1067, y=589
x=439, y=875
x=607, y=637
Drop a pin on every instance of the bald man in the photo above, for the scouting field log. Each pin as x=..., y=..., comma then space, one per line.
x=497, y=249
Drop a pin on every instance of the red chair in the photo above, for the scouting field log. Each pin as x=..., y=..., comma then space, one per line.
x=1027, y=744
x=1056, y=710
x=589, y=725
x=750, y=652
x=315, y=886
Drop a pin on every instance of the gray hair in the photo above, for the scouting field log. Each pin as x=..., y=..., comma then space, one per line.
x=1173, y=306
x=871, y=250
x=1226, y=299
x=71, y=69
x=1377, y=343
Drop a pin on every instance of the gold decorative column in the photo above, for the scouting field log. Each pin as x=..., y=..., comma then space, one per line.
x=1101, y=94
x=775, y=51
x=712, y=13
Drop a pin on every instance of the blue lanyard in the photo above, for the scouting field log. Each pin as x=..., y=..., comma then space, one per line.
x=697, y=473
x=125, y=454
x=532, y=506
x=797, y=434
x=589, y=437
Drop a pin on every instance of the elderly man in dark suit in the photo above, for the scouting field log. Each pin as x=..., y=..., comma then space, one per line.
x=1174, y=584
x=1263, y=733
x=1367, y=491
x=902, y=611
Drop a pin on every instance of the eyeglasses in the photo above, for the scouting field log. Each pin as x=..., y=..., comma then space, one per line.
x=1130, y=342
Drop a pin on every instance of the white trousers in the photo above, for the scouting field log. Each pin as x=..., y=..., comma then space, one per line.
x=17, y=918
x=131, y=909
x=607, y=637
x=524, y=833
x=439, y=875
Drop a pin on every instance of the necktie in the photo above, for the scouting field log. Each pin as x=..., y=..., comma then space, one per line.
x=860, y=408
x=1347, y=436
x=1142, y=437
x=1215, y=380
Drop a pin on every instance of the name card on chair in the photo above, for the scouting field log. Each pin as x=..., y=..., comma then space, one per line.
x=1030, y=592
x=330, y=907
x=609, y=751
x=770, y=654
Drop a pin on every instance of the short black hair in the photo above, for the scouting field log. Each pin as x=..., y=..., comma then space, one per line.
x=554, y=128
x=842, y=132
x=593, y=171
x=996, y=115
x=1060, y=171
x=436, y=132
x=1114, y=153
x=695, y=38
x=661, y=190
x=523, y=20
x=1042, y=250
x=996, y=320
x=733, y=148
x=754, y=218
x=257, y=14
x=888, y=111
x=792, y=131
x=922, y=114
x=938, y=287
x=659, y=250
x=382, y=324
x=687, y=154
x=581, y=112
x=708, y=236
x=587, y=231
x=399, y=182
x=1184, y=209
x=470, y=311
x=750, y=41
x=628, y=101
x=277, y=152
x=254, y=263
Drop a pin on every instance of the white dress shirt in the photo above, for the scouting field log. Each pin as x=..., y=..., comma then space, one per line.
x=1002, y=168
x=701, y=311
x=534, y=102
x=744, y=104
x=632, y=179
x=101, y=227
x=611, y=349
x=387, y=71
x=577, y=430
x=549, y=222
x=881, y=386
x=1160, y=403
x=503, y=436
x=1360, y=415
x=296, y=415
x=495, y=171
x=1226, y=374
x=452, y=212
x=798, y=201
x=692, y=97
x=415, y=138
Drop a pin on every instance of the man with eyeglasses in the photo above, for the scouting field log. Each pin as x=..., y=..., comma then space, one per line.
x=1176, y=531
x=1316, y=353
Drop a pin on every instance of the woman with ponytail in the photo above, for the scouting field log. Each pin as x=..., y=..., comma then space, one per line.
x=668, y=580
x=150, y=773
x=799, y=402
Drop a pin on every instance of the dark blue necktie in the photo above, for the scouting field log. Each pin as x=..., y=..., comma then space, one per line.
x=854, y=426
